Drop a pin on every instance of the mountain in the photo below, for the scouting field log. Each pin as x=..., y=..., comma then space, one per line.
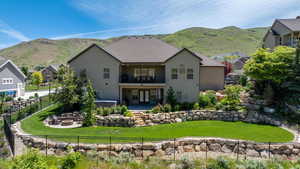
x=202, y=40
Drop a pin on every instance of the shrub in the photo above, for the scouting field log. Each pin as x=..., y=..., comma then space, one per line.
x=203, y=100
x=212, y=97
x=106, y=111
x=231, y=101
x=220, y=163
x=124, y=109
x=128, y=114
x=196, y=106
x=157, y=109
x=167, y=108
x=71, y=160
x=31, y=160
x=186, y=106
x=171, y=97
x=251, y=164
x=177, y=107
x=243, y=80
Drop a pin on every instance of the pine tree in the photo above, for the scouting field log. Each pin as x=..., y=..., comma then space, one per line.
x=89, y=105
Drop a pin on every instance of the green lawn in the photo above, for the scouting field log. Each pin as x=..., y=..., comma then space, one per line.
x=31, y=87
x=234, y=130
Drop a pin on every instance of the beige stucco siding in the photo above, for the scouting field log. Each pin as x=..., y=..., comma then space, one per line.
x=189, y=88
x=93, y=61
x=211, y=78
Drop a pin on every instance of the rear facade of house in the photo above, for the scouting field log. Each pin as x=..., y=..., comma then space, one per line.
x=284, y=32
x=140, y=70
x=12, y=80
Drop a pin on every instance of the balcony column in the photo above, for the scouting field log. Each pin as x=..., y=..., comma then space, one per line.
x=292, y=39
x=121, y=94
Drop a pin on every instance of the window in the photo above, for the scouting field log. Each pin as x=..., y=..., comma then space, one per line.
x=146, y=72
x=174, y=74
x=7, y=80
x=106, y=73
x=190, y=74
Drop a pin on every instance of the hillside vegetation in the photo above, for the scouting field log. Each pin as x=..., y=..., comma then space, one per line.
x=203, y=40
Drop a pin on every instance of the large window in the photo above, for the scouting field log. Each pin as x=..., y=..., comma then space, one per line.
x=190, y=74
x=106, y=73
x=174, y=73
x=7, y=80
x=144, y=73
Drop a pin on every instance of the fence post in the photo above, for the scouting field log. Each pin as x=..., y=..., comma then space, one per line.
x=46, y=145
x=246, y=147
x=174, y=150
x=142, y=148
x=109, y=146
x=206, y=149
x=238, y=150
x=78, y=143
x=269, y=153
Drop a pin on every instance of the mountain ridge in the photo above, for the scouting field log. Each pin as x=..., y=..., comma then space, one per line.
x=207, y=41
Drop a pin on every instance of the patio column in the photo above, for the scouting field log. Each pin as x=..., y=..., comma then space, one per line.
x=121, y=94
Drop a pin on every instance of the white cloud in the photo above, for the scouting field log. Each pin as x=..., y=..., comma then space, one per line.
x=8, y=30
x=167, y=16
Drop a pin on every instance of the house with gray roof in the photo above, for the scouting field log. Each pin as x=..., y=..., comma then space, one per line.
x=284, y=32
x=12, y=79
x=140, y=70
x=50, y=72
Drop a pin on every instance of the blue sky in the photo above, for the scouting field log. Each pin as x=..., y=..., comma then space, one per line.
x=24, y=20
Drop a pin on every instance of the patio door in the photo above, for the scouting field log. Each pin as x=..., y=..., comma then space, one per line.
x=144, y=96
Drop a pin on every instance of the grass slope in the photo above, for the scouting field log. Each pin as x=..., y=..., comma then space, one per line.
x=203, y=40
x=234, y=130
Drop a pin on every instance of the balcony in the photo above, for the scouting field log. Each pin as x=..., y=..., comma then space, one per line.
x=125, y=78
x=145, y=74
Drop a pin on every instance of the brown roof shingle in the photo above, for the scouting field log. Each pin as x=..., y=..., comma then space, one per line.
x=146, y=49
x=292, y=24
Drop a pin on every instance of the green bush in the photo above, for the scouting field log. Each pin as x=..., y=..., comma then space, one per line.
x=157, y=109
x=203, y=100
x=167, y=108
x=128, y=114
x=220, y=163
x=243, y=80
x=231, y=101
x=71, y=160
x=124, y=109
x=31, y=160
x=177, y=107
x=196, y=106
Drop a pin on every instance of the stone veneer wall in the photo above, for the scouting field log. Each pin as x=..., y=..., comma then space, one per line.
x=166, y=148
x=144, y=119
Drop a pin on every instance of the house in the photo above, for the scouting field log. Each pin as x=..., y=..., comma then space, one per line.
x=284, y=32
x=140, y=70
x=233, y=65
x=12, y=79
x=50, y=72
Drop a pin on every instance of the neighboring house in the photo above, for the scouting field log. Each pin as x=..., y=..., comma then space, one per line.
x=12, y=79
x=140, y=70
x=50, y=72
x=284, y=32
x=235, y=65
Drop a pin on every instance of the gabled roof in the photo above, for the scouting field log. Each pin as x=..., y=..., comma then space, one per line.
x=146, y=49
x=292, y=24
x=4, y=61
x=141, y=49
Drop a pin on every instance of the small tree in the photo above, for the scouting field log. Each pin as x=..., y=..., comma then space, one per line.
x=67, y=94
x=89, y=105
x=231, y=101
x=24, y=69
x=171, y=97
x=37, y=79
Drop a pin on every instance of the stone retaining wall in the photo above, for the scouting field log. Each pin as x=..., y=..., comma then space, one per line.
x=145, y=119
x=166, y=148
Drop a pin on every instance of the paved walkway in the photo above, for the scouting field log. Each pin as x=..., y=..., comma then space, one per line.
x=41, y=93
